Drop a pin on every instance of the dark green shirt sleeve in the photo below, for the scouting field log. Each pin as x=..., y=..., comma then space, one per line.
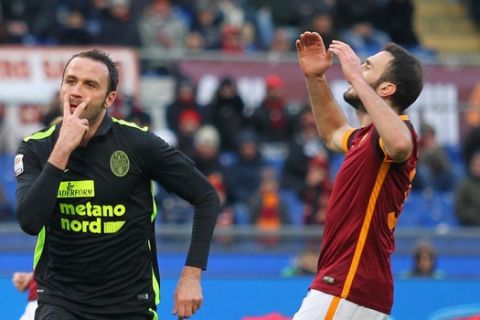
x=178, y=174
x=36, y=191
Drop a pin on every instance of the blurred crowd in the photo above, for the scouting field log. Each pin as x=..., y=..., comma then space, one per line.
x=267, y=163
x=232, y=26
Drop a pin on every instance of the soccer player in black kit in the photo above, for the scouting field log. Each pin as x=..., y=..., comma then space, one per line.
x=84, y=187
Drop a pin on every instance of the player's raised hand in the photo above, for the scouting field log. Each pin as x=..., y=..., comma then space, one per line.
x=313, y=58
x=350, y=62
x=73, y=126
x=188, y=296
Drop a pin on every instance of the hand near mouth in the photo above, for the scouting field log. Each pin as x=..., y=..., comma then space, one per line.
x=71, y=133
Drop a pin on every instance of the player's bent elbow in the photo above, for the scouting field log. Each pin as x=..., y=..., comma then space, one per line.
x=400, y=151
x=28, y=225
x=30, y=228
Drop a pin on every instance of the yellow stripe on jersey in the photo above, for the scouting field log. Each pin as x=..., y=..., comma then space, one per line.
x=40, y=135
x=382, y=173
x=129, y=124
x=345, y=138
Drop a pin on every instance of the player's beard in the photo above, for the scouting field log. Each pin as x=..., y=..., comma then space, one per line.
x=93, y=112
x=352, y=99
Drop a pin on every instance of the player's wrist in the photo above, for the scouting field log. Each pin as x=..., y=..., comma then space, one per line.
x=192, y=272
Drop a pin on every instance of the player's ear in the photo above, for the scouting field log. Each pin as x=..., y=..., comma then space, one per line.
x=110, y=99
x=386, y=89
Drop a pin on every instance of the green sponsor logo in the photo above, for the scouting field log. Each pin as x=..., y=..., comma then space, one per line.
x=76, y=189
x=119, y=163
x=75, y=218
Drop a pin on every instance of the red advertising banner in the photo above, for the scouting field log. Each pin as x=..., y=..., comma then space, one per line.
x=33, y=75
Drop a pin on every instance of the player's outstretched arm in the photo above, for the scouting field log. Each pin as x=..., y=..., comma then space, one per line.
x=314, y=61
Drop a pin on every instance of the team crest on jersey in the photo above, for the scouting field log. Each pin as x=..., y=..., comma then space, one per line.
x=18, y=164
x=119, y=163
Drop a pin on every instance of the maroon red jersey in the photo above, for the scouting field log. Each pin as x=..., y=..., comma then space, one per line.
x=358, y=238
x=32, y=290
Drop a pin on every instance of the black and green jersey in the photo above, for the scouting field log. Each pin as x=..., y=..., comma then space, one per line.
x=94, y=220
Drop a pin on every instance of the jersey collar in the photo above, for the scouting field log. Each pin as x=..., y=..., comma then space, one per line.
x=104, y=126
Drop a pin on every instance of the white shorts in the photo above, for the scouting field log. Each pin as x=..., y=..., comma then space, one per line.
x=29, y=313
x=318, y=305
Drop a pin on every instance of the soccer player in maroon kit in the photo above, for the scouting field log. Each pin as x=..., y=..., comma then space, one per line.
x=354, y=279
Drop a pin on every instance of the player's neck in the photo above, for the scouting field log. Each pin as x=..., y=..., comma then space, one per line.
x=363, y=118
x=92, y=128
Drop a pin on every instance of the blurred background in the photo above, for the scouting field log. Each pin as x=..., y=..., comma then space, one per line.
x=219, y=80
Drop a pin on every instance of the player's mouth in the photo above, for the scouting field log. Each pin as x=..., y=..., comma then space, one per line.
x=74, y=105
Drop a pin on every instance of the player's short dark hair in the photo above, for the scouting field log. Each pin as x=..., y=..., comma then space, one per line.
x=405, y=71
x=103, y=57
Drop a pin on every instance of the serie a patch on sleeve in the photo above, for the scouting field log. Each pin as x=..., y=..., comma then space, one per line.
x=18, y=164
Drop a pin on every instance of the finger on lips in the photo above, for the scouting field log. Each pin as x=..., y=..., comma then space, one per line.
x=81, y=106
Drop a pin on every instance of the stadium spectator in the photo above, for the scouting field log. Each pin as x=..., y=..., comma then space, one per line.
x=206, y=152
x=24, y=281
x=398, y=18
x=354, y=278
x=305, y=146
x=194, y=42
x=282, y=41
x=72, y=165
x=322, y=22
x=74, y=31
x=304, y=264
x=226, y=112
x=272, y=119
x=357, y=25
x=316, y=191
x=424, y=262
x=472, y=113
x=119, y=27
x=231, y=39
x=467, y=194
x=473, y=8
x=471, y=142
x=184, y=100
x=268, y=209
x=207, y=25
x=243, y=177
x=189, y=124
x=162, y=27
x=434, y=169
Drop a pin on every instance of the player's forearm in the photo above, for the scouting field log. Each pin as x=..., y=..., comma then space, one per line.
x=395, y=134
x=204, y=221
x=36, y=201
x=328, y=115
